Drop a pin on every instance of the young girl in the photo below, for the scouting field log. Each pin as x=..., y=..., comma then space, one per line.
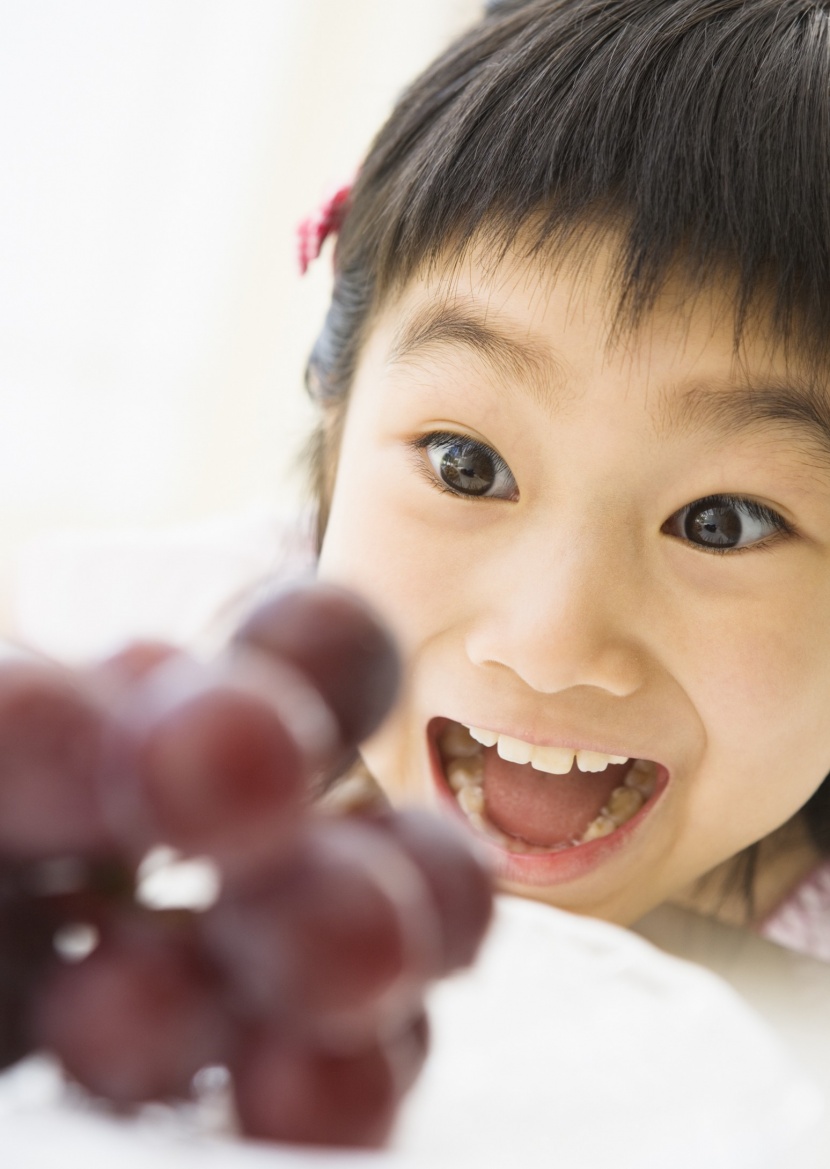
x=575, y=446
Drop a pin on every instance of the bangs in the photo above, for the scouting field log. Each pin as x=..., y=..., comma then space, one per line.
x=699, y=129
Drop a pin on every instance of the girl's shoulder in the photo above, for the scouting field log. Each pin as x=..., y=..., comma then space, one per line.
x=802, y=920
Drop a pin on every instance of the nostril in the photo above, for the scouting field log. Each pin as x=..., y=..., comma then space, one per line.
x=555, y=661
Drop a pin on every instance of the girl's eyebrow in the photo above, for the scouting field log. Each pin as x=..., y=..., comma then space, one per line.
x=442, y=323
x=724, y=407
x=733, y=408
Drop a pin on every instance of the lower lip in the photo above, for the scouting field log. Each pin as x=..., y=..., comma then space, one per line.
x=555, y=868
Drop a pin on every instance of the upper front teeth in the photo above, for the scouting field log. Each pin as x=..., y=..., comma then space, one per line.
x=486, y=738
x=554, y=760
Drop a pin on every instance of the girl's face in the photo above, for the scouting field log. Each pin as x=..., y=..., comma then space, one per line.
x=590, y=550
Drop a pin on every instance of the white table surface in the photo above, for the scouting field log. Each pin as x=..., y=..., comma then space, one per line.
x=571, y=1044
x=790, y=992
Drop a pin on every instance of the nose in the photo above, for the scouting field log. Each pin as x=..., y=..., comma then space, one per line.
x=560, y=618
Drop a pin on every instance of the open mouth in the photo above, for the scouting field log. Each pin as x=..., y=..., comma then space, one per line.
x=538, y=802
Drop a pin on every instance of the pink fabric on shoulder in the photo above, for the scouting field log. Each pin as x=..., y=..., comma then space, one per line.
x=802, y=921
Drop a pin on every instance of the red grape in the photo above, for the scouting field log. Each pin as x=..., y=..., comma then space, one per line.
x=335, y=639
x=306, y=977
x=51, y=734
x=459, y=884
x=25, y=949
x=136, y=1019
x=217, y=759
x=37, y=900
x=342, y=938
x=289, y=1092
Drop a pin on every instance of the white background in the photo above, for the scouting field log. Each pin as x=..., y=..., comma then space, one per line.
x=154, y=161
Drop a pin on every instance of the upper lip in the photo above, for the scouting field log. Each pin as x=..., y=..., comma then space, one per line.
x=577, y=741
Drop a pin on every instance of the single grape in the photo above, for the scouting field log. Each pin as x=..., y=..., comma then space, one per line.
x=51, y=734
x=216, y=759
x=137, y=1018
x=338, y=942
x=460, y=886
x=285, y=1091
x=334, y=638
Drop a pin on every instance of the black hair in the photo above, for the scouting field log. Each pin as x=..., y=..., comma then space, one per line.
x=699, y=129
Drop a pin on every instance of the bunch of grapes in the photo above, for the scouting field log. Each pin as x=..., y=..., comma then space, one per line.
x=305, y=976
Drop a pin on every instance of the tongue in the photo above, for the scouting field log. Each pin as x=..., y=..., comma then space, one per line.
x=545, y=809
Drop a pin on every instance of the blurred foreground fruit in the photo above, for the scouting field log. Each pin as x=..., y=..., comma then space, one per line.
x=50, y=734
x=285, y=1091
x=306, y=976
x=337, y=642
x=136, y=1019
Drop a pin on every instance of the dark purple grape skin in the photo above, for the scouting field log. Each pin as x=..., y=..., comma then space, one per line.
x=307, y=977
x=36, y=900
x=461, y=888
x=285, y=1091
x=136, y=1019
x=328, y=945
x=51, y=735
x=210, y=760
x=334, y=638
x=215, y=759
x=26, y=932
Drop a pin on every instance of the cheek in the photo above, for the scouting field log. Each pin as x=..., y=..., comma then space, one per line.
x=772, y=675
x=761, y=685
x=749, y=640
x=368, y=548
x=393, y=558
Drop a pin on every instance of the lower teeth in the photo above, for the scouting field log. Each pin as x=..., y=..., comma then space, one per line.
x=623, y=803
x=465, y=775
x=601, y=826
x=471, y=800
x=642, y=777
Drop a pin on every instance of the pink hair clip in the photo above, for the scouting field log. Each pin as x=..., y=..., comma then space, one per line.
x=315, y=230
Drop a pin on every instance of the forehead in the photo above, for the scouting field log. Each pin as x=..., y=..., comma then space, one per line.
x=554, y=300
x=553, y=329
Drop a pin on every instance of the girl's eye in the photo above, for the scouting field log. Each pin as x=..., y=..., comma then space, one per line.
x=721, y=523
x=467, y=467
